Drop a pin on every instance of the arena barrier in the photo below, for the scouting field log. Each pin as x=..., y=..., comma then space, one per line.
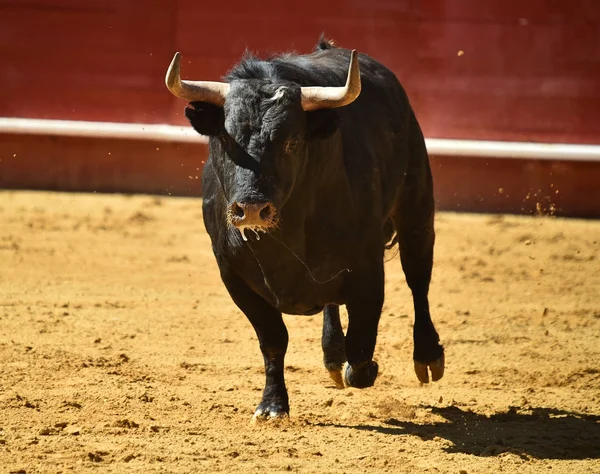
x=469, y=175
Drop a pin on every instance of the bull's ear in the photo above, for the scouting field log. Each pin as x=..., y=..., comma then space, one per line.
x=321, y=124
x=207, y=119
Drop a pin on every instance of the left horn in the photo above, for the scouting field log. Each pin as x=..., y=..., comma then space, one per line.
x=314, y=98
x=194, y=91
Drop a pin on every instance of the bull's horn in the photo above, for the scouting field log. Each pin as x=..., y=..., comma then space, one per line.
x=314, y=98
x=194, y=91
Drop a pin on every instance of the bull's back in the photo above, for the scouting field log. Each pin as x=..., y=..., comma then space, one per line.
x=376, y=128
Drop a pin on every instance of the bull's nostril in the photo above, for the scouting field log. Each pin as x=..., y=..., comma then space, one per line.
x=265, y=213
x=238, y=211
x=251, y=214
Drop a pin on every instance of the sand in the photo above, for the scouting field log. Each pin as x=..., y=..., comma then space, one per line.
x=120, y=351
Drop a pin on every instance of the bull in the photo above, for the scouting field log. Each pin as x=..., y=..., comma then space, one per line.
x=316, y=165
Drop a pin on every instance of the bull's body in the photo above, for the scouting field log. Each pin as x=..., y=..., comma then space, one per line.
x=356, y=175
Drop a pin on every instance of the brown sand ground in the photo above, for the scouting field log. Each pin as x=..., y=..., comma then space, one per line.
x=120, y=351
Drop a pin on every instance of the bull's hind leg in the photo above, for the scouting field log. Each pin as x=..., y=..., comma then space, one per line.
x=416, y=254
x=333, y=342
x=364, y=303
x=273, y=339
x=414, y=224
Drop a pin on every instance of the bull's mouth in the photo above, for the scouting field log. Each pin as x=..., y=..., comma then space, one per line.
x=256, y=229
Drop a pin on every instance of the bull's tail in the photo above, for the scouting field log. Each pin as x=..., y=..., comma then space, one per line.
x=394, y=241
x=390, y=235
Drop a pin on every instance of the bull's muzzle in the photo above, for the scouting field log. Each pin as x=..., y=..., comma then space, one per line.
x=258, y=217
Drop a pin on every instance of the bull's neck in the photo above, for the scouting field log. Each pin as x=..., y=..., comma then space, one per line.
x=326, y=178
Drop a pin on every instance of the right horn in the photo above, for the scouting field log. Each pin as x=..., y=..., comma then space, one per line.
x=314, y=98
x=194, y=91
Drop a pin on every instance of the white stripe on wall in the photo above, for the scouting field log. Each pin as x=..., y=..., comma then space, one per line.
x=173, y=133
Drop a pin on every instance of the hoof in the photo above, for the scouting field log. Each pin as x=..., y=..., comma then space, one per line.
x=362, y=376
x=259, y=418
x=436, y=367
x=270, y=411
x=336, y=376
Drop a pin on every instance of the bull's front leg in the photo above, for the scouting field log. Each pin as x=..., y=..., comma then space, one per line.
x=273, y=339
x=364, y=303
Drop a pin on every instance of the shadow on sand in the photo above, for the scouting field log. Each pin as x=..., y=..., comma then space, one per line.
x=542, y=433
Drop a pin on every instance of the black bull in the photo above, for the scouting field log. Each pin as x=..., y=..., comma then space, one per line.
x=301, y=199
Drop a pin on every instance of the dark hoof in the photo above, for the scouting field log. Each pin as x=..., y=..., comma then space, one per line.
x=362, y=376
x=270, y=411
x=336, y=376
x=436, y=367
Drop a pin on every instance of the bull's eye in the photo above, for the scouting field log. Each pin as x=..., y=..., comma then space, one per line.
x=291, y=145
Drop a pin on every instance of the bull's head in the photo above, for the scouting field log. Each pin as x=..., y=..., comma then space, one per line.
x=259, y=135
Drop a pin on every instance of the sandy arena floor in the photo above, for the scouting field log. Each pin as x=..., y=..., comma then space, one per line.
x=120, y=351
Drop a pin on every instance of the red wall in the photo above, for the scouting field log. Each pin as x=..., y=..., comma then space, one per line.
x=530, y=69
